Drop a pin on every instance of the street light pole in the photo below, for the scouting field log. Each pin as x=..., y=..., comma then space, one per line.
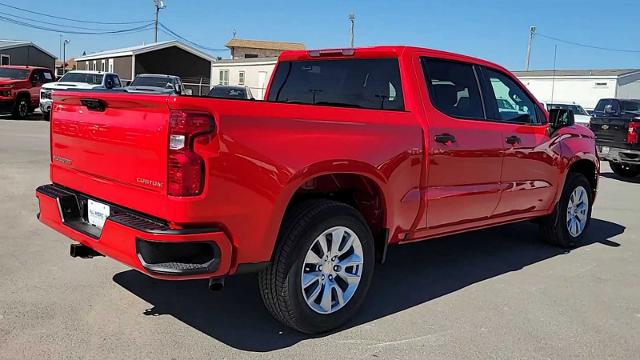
x=352, y=19
x=160, y=4
x=532, y=32
x=64, y=55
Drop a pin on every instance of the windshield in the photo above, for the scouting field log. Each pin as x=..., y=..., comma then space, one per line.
x=577, y=109
x=93, y=79
x=631, y=106
x=161, y=82
x=228, y=93
x=14, y=74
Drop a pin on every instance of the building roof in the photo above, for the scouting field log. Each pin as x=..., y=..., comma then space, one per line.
x=580, y=73
x=10, y=44
x=141, y=49
x=265, y=60
x=261, y=44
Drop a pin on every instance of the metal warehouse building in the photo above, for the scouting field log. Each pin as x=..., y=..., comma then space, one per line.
x=584, y=87
x=25, y=53
x=168, y=57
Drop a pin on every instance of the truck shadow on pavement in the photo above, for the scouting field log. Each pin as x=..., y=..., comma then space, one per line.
x=611, y=175
x=429, y=270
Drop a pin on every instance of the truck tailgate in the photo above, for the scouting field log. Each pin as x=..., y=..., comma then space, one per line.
x=112, y=137
x=610, y=131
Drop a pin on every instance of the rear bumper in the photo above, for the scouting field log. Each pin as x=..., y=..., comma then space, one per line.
x=619, y=155
x=136, y=240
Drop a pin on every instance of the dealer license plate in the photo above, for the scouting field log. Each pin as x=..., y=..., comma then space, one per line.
x=98, y=213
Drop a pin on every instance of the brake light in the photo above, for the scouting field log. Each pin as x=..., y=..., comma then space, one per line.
x=185, y=170
x=632, y=135
x=332, y=52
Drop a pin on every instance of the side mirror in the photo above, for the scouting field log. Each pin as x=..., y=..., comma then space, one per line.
x=109, y=84
x=559, y=118
x=187, y=92
x=608, y=109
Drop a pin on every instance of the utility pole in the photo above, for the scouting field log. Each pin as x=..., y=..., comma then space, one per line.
x=64, y=55
x=532, y=32
x=352, y=19
x=159, y=4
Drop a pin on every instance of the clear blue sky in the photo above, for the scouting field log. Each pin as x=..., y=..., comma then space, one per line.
x=494, y=30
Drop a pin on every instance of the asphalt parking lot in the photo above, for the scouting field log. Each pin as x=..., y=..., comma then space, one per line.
x=496, y=293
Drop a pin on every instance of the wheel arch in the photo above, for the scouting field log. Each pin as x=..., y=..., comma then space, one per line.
x=355, y=183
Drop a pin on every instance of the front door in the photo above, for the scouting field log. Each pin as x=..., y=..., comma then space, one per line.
x=529, y=173
x=465, y=150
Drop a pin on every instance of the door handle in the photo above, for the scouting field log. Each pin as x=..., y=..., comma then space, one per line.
x=513, y=140
x=445, y=138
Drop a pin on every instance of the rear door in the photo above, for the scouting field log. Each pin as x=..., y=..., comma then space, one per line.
x=529, y=172
x=465, y=150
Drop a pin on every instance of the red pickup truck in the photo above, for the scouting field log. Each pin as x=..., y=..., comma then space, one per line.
x=20, y=89
x=352, y=151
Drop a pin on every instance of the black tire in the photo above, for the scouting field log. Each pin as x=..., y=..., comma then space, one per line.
x=554, y=227
x=21, y=108
x=280, y=284
x=46, y=116
x=625, y=170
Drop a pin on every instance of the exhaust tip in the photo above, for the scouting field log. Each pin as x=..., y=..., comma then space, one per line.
x=82, y=251
x=216, y=284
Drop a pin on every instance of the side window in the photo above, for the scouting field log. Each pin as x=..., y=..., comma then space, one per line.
x=116, y=81
x=453, y=88
x=507, y=100
x=47, y=76
x=36, y=76
x=615, y=106
x=599, y=109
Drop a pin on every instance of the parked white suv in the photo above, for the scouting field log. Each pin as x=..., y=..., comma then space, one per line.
x=77, y=80
x=580, y=115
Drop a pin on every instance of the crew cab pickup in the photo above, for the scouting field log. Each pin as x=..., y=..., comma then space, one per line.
x=20, y=89
x=353, y=150
x=616, y=124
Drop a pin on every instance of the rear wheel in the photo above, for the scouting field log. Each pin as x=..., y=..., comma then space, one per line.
x=321, y=269
x=21, y=108
x=625, y=170
x=567, y=225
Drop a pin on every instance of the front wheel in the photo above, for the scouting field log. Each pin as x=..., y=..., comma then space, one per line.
x=322, y=267
x=21, y=109
x=625, y=170
x=567, y=225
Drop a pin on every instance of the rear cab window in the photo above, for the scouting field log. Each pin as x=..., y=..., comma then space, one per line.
x=355, y=83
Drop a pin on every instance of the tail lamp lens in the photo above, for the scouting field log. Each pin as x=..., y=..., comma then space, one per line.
x=632, y=135
x=185, y=167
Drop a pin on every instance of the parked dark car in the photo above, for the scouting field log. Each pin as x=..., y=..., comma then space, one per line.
x=157, y=83
x=616, y=123
x=230, y=92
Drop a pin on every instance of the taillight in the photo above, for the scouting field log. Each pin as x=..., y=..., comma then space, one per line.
x=632, y=135
x=186, y=168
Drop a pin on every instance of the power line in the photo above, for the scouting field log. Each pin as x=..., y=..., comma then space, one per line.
x=586, y=45
x=48, y=23
x=58, y=30
x=170, y=32
x=74, y=20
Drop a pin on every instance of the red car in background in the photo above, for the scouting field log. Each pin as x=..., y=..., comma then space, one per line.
x=20, y=89
x=352, y=151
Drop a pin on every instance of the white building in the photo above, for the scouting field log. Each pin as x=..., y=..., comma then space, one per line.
x=252, y=72
x=584, y=87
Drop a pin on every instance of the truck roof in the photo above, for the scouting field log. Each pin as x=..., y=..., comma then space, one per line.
x=390, y=51
x=24, y=67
